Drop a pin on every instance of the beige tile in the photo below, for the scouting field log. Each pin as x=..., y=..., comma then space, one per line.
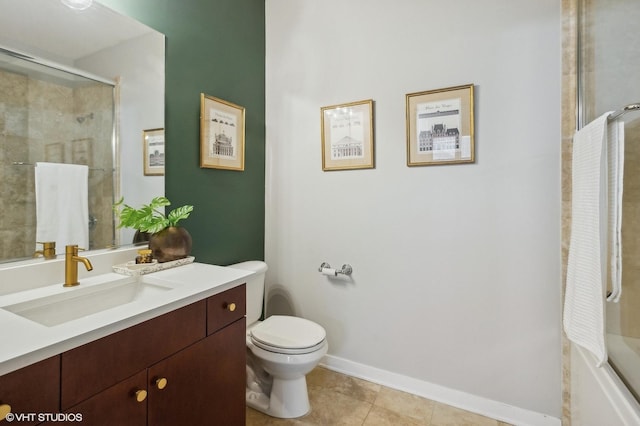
x=256, y=418
x=327, y=408
x=444, y=415
x=379, y=416
x=405, y=404
x=333, y=408
x=346, y=385
x=337, y=399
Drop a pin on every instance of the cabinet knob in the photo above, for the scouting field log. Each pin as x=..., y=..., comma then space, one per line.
x=141, y=395
x=231, y=307
x=4, y=410
x=161, y=383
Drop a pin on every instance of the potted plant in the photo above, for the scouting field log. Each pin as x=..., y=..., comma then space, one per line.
x=167, y=240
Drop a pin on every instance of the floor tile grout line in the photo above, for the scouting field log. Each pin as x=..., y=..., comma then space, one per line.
x=364, y=421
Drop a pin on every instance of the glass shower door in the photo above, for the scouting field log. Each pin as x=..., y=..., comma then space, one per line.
x=609, y=79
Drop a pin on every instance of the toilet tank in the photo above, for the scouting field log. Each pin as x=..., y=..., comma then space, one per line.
x=255, y=287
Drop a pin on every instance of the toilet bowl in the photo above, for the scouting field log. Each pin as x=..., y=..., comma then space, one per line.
x=281, y=350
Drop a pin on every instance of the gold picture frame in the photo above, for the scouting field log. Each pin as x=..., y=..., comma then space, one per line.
x=221, y=134
x=153, y=152
x=347, y=136
x=440, y=126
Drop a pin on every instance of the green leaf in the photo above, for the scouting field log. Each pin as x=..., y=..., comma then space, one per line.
x=178, y=214
x=158, y=202
x=155, y=224
x=150, y=217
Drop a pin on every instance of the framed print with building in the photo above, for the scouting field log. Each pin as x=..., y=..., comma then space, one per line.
x=440, y=126
x=221, y=134
x=153, y=152
x=347, y=136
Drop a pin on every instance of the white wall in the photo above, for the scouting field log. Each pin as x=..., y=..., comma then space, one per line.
x=139, y=64
x=457, y=270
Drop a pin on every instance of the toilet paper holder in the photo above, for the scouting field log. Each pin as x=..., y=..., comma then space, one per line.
x=326, y=269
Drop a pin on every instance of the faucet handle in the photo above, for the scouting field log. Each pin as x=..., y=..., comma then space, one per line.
x=73, y=249
x=48, y=250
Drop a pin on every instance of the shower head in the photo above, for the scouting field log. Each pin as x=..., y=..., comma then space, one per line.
x=80, y=119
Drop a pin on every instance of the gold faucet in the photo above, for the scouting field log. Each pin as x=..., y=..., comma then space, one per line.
x=71, y=260
x=48, y=250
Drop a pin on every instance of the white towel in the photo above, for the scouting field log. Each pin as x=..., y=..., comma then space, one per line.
x=62, y=207
x=615, y=154
x=583, y=316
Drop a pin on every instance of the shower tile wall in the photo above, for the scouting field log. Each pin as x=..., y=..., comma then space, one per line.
x=17, y=223
x=41, y=121
x=629, y=314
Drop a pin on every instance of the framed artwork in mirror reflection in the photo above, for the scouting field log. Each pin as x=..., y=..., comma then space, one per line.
x=440, y=126
x=221, y=134
x=347, y=136
x=153, y=147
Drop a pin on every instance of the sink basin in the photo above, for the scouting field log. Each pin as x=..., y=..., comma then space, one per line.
x=78, y=302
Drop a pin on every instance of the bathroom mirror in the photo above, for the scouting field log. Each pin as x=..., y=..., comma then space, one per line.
x=76, y=86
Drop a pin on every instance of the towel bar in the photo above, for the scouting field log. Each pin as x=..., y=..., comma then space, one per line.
x=623, y=111
x=23, y=163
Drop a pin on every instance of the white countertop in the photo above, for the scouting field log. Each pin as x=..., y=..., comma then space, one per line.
x=24, y=342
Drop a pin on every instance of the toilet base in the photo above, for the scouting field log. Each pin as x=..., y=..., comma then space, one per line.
x=288, y=399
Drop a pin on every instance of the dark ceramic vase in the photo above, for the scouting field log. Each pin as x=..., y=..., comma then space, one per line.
x=141, y=237
x=171, y=243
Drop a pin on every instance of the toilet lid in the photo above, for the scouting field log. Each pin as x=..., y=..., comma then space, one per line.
x=288, y=332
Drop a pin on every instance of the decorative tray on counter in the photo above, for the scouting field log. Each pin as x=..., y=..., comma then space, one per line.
x=133, y=268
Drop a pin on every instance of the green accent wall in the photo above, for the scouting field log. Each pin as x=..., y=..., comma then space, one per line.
x=216, y=47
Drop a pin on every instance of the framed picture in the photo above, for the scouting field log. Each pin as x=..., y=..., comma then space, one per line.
x=221, y=134
x=347, y=136
x=440, y=126
x=153, y=146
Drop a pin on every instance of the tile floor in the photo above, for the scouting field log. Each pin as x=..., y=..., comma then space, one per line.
x=337, y=399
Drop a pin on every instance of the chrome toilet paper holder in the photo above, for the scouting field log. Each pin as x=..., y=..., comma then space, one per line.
x=325, y=268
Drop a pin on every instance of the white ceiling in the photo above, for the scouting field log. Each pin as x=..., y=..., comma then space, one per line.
x=52, y=30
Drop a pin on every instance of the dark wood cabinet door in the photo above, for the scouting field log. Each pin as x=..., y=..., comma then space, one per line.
x=205, y=383
x=32, y=390
x=225, y=308
x=122, y=404
x=94, y=367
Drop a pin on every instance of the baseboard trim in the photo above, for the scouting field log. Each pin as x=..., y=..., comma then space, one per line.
x=476, y=404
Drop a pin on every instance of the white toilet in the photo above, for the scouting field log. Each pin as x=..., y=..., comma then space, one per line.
x=281, y=350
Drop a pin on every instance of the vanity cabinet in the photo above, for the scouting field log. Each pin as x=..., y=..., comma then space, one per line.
x=205, y=382
x=33, y=389
x=186, y=367
x=91, y=368
x=121, y=404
